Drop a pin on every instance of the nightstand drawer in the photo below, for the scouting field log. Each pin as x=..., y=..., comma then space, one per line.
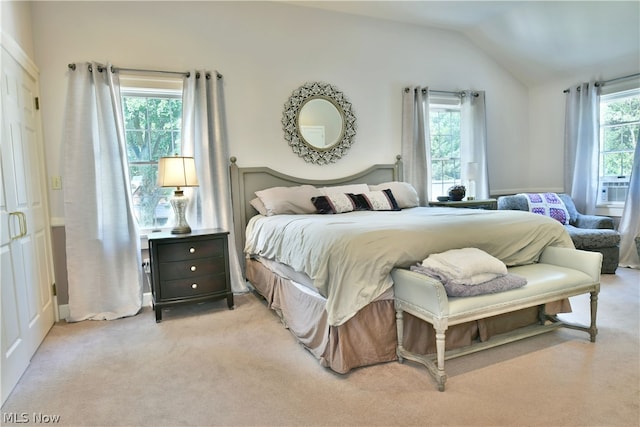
x=192, y=287
x=191, y=250
x=191, y=268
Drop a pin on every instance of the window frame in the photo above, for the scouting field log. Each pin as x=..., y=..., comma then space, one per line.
x=607, y=95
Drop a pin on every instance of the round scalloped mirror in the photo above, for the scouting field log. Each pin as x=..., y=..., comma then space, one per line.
x=319, y=123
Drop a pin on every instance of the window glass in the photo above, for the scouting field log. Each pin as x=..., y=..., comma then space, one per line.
x=153, y=123
x=619, y=129
x=444, y=127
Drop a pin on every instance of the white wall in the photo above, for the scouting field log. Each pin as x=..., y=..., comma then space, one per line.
x=267, y=49
x=15, y=19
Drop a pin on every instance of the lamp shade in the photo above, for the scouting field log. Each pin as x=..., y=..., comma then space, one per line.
x=472, y=170
x=177, y=171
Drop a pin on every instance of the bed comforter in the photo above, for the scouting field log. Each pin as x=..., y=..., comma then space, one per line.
x=349, y=256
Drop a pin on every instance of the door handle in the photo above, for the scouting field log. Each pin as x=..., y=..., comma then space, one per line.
x=12, y=222
x=22, y=224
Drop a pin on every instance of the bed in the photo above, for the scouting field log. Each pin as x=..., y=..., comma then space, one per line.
x=328, y=276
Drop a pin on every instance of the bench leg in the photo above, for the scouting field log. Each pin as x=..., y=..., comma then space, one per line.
x=593, y=330
x=542, y=315
x=400, y=331
x=435, y=366
x=441, y=376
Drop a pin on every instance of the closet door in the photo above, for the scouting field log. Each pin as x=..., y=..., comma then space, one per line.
x=25, y=240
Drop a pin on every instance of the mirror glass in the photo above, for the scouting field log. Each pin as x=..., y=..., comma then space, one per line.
x=318, y=123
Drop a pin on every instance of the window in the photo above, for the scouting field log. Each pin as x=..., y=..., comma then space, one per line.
x=153, y=120
x=619, y=129
x=444, y=126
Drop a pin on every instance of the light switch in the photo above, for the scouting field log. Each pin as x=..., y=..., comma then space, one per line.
x=56, y=182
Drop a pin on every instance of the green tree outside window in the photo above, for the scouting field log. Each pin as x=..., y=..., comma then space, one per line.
x=153, y=129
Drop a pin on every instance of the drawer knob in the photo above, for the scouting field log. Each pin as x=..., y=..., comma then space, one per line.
x=192, y=250
x=193, y=268
x=194, y=286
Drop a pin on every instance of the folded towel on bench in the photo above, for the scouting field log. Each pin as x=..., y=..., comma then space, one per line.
x=498, y=284
x=466, y=266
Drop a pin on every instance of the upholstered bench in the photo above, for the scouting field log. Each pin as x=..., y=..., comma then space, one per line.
x=560, y=273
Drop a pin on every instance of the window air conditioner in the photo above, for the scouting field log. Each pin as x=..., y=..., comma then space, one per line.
x=614, y=189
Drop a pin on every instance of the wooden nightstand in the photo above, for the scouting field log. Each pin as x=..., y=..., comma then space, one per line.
x=489, y=204
x=189, y=268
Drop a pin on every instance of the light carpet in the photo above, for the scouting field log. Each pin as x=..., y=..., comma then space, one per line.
x=206, y=365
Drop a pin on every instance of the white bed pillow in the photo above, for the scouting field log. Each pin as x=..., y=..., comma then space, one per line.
x=289, y=200
x=343, y=189
x=406, y=196
x=259, y=206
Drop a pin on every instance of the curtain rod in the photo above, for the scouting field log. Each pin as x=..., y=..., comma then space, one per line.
x=459, y=93
x=604, y=82
x=72, y=66
x=136, y=70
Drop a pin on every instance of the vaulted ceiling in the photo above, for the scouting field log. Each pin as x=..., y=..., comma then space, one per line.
x=535, y=40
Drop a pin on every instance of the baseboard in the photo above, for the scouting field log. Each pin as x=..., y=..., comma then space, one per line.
x=147, y=299
x=63, y=309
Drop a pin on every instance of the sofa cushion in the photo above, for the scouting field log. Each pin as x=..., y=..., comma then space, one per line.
x=516, y=202
x=587, y=238
x=571, y=207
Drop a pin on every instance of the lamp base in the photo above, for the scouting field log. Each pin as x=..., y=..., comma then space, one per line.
x=471, y=189
x=181, y=230
x=179, y=204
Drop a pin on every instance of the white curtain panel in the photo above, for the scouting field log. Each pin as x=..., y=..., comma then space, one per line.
x=630, y=222
x=581, y=146
x=416, y=142
x=204, y=137
x=102, y=243
x=473, y=143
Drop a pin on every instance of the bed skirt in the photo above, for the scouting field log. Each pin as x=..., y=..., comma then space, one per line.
x=369, y=337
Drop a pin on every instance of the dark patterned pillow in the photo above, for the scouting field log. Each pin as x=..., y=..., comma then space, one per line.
x=382, y=200
x=333, y=204
x=360, y=202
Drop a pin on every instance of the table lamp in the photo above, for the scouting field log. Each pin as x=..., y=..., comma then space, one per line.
x=472, y=175
x=178, y=171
